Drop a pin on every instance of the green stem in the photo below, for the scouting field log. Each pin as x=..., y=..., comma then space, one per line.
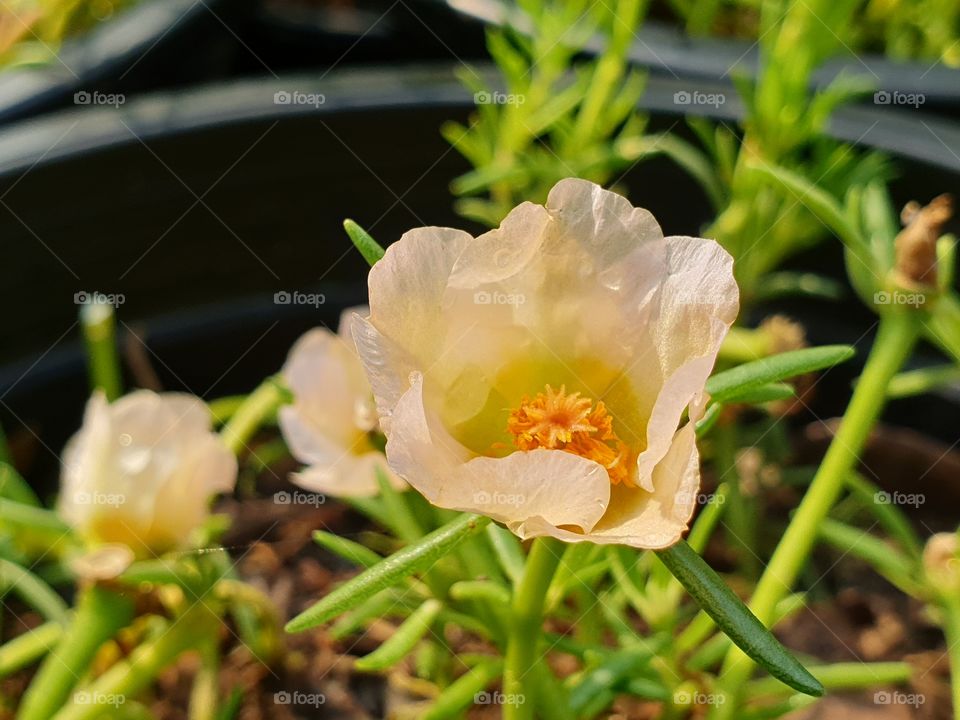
x=251, y=414
x=4, y=448
x=100, y=336
x=32, y=590
x=526, y=625
x=12, y=485
x=742, y=511
x=895, y=340
x=29, y=647
x=222, y=409
x=206, y=690
x=841, y=676
x=129, y=677
x=951, y=628
x=100, y=614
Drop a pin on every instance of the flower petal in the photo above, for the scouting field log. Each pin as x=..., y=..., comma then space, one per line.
x=697, y=302
x=559, y=488
x=647, y=520
x=351, y=476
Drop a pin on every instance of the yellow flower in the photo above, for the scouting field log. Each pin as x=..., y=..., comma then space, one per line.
x=332, y=424
x=549, y=373
x=141, y=471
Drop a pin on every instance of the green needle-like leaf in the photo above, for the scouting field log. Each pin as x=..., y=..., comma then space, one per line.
x=774, y=369
x=762, y=394
x=368, y=247
x=32, y=590
x=403, y=640
x=413, y=558
x=347, y=549
x=99, y=616
x=462, y=693
x=735, y=619
x=14, y=487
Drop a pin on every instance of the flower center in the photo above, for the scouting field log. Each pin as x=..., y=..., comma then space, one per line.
x=558, y=421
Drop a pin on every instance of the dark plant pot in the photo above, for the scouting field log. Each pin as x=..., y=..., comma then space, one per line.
x=167, y=44
x=199, y=206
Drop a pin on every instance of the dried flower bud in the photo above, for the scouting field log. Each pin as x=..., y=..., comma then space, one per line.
x=916, y=244
x=784, y=334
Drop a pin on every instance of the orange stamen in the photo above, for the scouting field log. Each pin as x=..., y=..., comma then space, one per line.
x=558, y=421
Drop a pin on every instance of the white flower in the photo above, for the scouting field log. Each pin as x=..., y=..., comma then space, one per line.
x=539, y=373
x=142, y=471
x=332, y=425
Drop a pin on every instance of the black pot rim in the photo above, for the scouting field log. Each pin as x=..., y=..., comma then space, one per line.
x=96, y=55
x=59, y=135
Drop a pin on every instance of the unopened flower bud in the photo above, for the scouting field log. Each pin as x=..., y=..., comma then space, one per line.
x=941, y=562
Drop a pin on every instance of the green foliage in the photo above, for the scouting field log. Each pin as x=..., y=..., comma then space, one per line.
x=737, y=621
x=32, y=30
x=556, y=117
x=784, y=126
x=368, y=247
x=418, y=557
x=753, y=376
x=903, y=29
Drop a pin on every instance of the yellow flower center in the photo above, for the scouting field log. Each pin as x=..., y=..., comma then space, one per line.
x=558, y=421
